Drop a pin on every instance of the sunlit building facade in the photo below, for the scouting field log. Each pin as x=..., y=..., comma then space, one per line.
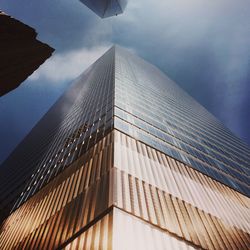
x=106, y=8
x=125, y=159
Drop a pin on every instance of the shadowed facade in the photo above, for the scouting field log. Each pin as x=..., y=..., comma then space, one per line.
x=125, y=159
x=106, y=8
x=21, y=53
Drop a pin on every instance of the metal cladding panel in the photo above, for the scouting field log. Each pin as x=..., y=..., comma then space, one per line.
x=176, y=198
x=165, y=173
x=130, y=232
x=21, y=53
x=98, y=236
x=171, y=199
x=121, y=231
x=177, y=216
x=70, y=202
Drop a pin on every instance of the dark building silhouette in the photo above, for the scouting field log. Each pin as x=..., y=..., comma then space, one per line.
x=20, y=52
x=106, y=8
x=125, y=159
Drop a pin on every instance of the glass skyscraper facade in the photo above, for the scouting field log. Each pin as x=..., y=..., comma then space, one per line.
x=106, y=8
x=154, y=110
x=125, y=159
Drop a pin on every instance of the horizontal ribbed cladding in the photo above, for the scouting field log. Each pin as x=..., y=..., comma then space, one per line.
x=72, y=200
x=121, y=231
x=78, y=197
x=167, y=174
x=215, y=204
x=175, y=215
x=130, y=232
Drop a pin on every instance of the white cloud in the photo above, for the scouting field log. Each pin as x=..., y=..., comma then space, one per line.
x=68, y=65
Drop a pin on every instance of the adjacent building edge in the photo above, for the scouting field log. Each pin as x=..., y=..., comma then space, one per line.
x=123, y=194
x=21, y=52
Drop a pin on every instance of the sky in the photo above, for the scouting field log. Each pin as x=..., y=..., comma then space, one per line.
x=204, y=46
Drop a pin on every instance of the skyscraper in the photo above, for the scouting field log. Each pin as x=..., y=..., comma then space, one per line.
x=21, y=53
x=125, y=159
x=106, y=8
